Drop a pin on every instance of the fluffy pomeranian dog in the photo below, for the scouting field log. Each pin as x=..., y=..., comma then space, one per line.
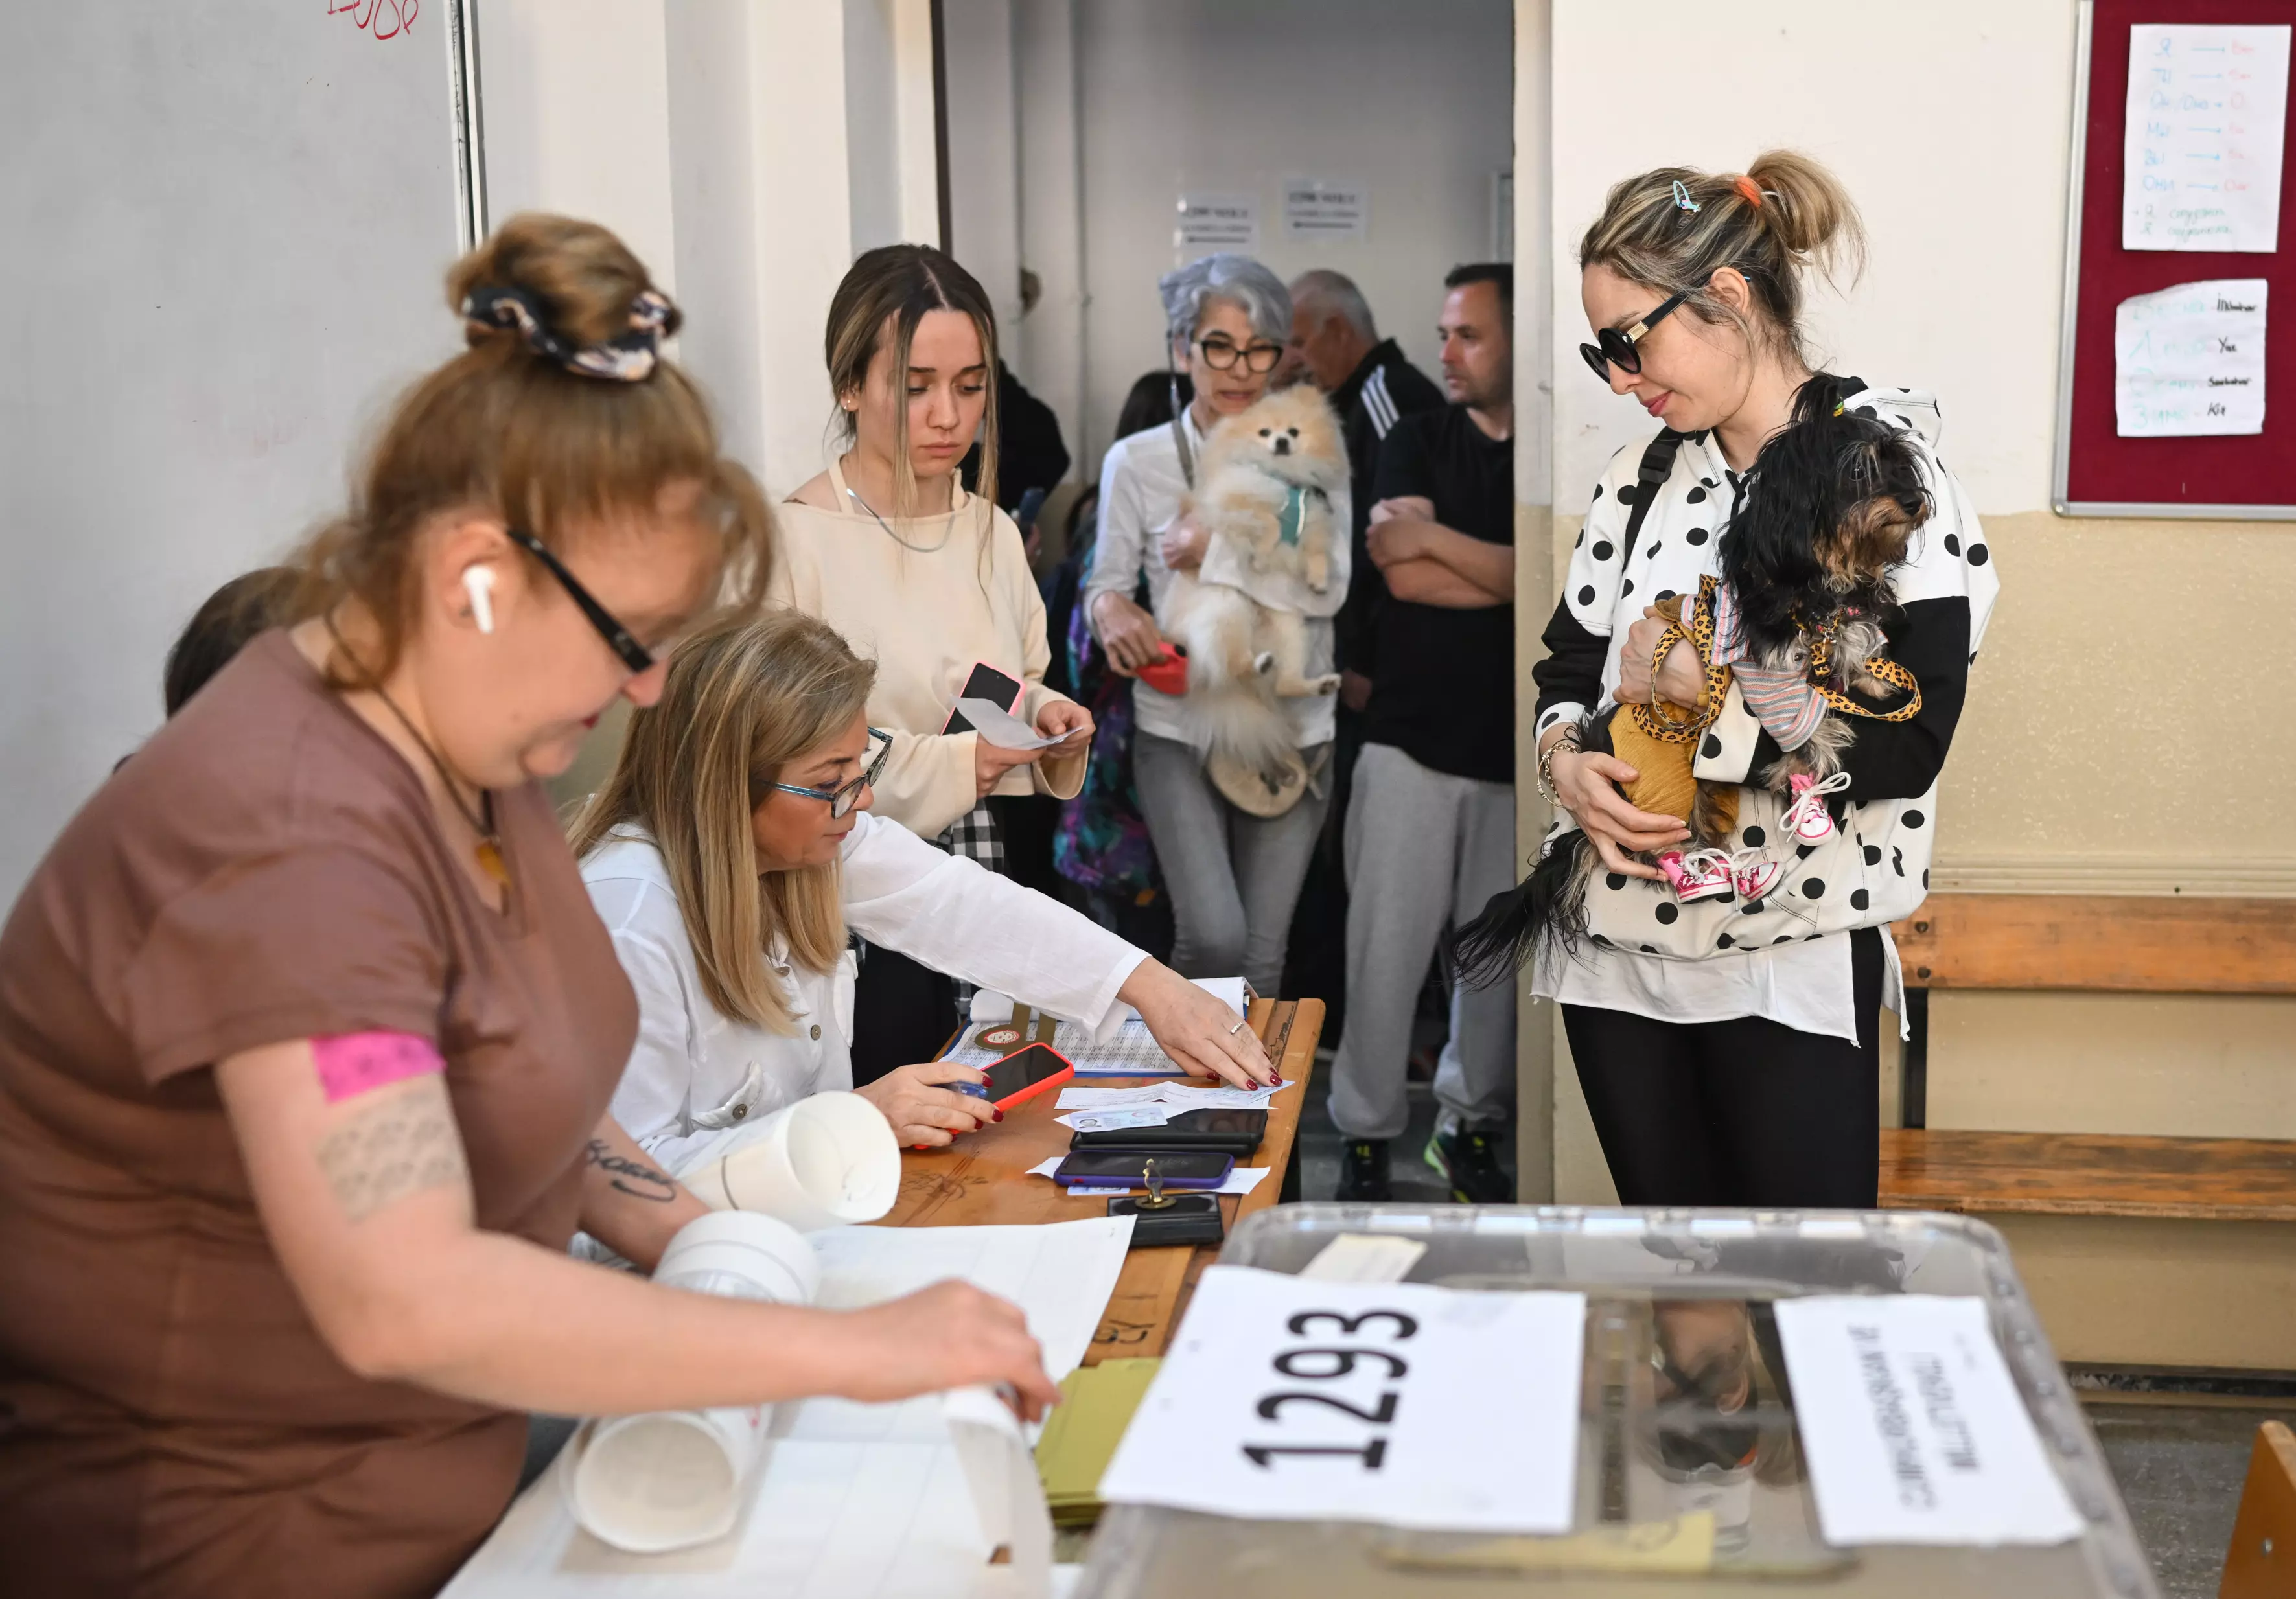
x=1263, y=494
x=1828, y=507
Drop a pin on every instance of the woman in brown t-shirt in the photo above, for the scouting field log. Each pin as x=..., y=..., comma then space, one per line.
x=307, y=1030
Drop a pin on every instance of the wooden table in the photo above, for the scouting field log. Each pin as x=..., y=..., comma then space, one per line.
x=982, y=1180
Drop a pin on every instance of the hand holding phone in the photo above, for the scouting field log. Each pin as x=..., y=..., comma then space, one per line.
x=929, y=1103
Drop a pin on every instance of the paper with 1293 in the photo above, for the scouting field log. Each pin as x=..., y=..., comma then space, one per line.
x=1391, y=1402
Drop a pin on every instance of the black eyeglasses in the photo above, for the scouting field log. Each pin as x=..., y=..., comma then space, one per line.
x=1616, y=348
x=841, y=797
x=1220, y=356
x=619, y=639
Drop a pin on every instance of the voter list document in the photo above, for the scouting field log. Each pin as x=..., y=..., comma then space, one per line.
x=1914, y=1430
x=1292, y=1398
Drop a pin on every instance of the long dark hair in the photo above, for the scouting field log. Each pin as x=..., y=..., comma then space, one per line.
x=898, y=283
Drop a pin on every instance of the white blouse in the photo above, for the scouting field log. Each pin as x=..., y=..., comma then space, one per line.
x=1141, y=488
x=697, y=1077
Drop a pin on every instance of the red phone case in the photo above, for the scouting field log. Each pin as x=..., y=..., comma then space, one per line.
x=1067, y=1074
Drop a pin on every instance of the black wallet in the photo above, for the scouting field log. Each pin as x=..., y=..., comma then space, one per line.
x=1229, y=1132
x=1187, y=1219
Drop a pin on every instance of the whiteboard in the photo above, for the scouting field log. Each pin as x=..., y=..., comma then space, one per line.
x=227, y=227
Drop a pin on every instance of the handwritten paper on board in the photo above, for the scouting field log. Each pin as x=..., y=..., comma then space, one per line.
x=1914, y=1426
x=2208, y=112
x=2189, y=361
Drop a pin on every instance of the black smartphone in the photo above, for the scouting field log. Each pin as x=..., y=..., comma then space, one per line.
x=987, y=683
x=1232, y=1131
x=1177, y=1167
x=1031, y=506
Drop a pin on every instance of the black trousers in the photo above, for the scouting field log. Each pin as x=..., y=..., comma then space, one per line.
x=1743, y=1113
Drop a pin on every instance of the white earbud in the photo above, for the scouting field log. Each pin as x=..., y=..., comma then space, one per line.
x=478, y=583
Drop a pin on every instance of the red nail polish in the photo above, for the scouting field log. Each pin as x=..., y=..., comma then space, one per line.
x=1273, y=1081
x=999, y=1116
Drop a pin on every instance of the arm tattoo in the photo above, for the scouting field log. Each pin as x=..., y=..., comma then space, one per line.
x=406, y=1143
x=630, y=1177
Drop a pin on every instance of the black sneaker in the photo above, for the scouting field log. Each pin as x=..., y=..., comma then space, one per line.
x=1362, y=1173
x=1468, y=1161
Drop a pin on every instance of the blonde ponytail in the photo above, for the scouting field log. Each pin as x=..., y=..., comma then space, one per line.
x=1671, y=229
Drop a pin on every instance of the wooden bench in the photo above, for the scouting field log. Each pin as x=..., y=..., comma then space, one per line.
x=2095, y=945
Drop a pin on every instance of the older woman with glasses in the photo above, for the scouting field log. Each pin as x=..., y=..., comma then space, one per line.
x=1233, y=874
x=732, y=849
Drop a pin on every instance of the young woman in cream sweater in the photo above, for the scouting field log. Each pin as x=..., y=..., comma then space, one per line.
x=928, y=582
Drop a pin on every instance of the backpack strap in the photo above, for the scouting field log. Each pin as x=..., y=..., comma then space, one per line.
x=1657, y=466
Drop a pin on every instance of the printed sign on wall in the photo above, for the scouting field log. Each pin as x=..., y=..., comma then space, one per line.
x=1323, y=211
x=1211, y=222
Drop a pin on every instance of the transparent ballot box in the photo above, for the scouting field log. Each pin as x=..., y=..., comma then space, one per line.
x=1687, y=1421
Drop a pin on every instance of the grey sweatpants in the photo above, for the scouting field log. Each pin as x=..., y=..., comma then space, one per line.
x=1233, y=877
x=1425, y=851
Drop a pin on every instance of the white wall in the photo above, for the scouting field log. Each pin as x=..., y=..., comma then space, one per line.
x=748, y=150
x=1412, y=102
x=1959, y=169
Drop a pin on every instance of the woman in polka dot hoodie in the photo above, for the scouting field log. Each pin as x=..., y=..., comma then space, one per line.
x=1729, y=1047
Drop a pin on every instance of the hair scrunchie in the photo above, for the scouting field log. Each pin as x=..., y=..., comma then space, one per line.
x=628, y=357
x=1748, y=187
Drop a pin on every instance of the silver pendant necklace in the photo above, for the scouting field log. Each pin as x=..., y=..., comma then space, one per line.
x=914, y=548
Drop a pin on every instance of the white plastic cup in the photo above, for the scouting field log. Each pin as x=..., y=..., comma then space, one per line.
x=669, y=1480
x=831, y=1159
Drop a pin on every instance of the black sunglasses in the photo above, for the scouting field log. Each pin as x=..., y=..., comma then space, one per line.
x=634, y=654
x=1616, y=348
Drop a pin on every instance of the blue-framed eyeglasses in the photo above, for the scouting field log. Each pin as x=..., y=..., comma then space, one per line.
x=845, y=796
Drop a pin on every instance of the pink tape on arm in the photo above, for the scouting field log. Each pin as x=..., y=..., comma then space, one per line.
x=352, y=1063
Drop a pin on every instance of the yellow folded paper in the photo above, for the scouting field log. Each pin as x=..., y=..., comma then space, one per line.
x=1081, y=1434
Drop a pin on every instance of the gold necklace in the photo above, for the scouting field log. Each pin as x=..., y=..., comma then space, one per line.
x=488, y=849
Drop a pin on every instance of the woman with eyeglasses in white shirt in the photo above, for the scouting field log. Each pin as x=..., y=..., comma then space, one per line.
x=732, y=851
x=1234, y=876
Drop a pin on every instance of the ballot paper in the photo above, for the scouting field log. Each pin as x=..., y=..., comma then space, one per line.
x=1001, y=727
x=1914, y=1430
x=1241, y=1179
x=2206, y=132
x=1399, y=1403
x=2189, y=360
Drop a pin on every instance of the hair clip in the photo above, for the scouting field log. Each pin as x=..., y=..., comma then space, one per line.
x=1682, y=199
x=629, y=358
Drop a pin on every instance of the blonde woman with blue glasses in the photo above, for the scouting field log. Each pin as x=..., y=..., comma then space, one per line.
x=731, y=852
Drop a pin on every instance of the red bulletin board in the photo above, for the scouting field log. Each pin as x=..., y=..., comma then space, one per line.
x=2098, y=473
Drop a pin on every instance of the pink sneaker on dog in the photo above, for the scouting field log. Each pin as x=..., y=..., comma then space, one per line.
x=1755, y=874
x=1808, y=819
x=1700, y=874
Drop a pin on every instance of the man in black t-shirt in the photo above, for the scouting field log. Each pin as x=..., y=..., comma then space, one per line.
x=1430, y=821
